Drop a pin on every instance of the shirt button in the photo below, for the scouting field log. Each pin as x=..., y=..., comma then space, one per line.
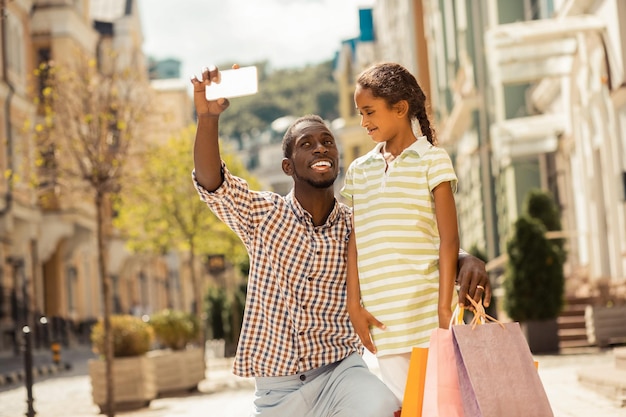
x=302, y=377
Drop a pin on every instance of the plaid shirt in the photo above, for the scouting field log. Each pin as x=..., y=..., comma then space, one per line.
x=296, y=317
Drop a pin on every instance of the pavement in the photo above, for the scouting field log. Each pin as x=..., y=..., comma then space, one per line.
x=12, y=366
x=67, y=393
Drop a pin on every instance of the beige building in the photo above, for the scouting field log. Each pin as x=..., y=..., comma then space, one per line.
x=48, y=248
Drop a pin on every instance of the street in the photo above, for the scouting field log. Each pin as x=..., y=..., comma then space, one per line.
x=69, y=395
x=221, y=394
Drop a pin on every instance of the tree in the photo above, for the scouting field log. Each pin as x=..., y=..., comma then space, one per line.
x=90, y=111
x=161, y=210
x=284, y=92
x=534, y=281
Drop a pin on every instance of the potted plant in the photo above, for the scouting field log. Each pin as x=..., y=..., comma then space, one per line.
x=534, y=283
x=180, y=365
x=133, y=372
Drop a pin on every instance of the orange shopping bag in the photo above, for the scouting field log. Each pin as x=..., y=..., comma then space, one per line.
x=414, y=391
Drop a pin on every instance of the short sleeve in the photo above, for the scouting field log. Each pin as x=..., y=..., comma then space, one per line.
x=441, y=169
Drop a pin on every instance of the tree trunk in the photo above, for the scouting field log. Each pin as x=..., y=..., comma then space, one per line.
x=107, y=300
x=197, y=287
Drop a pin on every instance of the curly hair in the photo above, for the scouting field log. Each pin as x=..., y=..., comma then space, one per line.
x=392, y=82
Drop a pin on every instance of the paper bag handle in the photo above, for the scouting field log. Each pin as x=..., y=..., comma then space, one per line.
x=480, y=316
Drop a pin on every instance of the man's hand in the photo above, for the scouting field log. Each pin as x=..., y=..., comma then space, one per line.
x=362, y=320
x=205, y=107
x=473, y=280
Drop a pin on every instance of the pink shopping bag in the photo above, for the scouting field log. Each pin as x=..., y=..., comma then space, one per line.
x=442, y=395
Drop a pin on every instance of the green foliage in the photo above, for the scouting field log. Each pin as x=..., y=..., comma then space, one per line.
x=160, y=210
x=541, y=205
x=89, y=118
x=175, y=329
x=217, y=310
x=534, y=282
x=285, y=92
x=131, y=336
x=225, y=313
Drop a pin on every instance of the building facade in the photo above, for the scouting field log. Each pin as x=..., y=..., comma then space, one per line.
x=49, y=277
x=524, y=95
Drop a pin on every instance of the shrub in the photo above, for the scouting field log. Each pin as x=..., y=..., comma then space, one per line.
x=534, y=280
x=175, y=329
x=131, y=336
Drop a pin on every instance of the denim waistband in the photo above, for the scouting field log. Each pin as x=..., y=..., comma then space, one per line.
x=274, y=381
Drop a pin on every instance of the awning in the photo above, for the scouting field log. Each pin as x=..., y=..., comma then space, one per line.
x=531, y=50
x=524, y=136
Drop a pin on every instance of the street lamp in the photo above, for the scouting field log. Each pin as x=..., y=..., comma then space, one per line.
x=28, y=370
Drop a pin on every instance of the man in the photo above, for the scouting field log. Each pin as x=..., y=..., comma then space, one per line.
x=296, y=339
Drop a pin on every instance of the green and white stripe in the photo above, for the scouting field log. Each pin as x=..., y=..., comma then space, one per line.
x=398, y=240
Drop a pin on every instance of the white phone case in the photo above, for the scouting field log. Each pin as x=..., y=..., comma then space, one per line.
x=234, y=83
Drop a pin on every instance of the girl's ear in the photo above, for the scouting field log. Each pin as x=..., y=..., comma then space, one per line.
x=287, y=166
x=401, y=108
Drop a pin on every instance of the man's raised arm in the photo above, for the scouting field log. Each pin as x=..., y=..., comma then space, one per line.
x=206, y=152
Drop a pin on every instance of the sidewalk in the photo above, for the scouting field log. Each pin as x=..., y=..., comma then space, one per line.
x=12, y=367
x=223, y=394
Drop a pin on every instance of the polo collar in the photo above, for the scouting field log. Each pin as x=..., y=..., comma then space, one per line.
x=420, y=147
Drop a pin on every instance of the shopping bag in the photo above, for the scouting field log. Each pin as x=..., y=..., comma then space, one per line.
x=497, y=374
x=442, y=397
x=414, y=391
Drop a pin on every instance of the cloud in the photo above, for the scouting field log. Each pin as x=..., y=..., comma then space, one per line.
x=288, y=33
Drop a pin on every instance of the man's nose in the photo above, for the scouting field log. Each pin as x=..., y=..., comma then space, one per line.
x=321, y=148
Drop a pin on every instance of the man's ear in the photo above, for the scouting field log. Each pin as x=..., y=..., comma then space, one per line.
x=287, y=166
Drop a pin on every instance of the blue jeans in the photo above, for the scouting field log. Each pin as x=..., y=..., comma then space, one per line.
x=343, y=389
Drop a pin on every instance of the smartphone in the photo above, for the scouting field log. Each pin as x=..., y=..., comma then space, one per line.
x=234, y=83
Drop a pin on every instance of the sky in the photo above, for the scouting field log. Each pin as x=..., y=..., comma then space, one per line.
x=287, y=33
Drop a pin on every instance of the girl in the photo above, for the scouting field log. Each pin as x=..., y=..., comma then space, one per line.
x=405, y=224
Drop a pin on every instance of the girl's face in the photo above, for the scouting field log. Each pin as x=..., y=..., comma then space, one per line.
x=381, y=121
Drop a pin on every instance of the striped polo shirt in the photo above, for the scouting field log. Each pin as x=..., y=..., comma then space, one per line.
x=398, y=240
x=295, y=316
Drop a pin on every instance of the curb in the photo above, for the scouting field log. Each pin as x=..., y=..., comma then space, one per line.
x=15, y=377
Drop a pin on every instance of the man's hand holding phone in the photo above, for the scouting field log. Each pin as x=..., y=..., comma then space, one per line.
x=212, y=90
x=235, y=82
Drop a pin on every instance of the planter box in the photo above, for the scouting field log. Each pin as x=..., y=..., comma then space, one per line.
x=133, y=380
x=177, y=370
x=605, y=325
x=542, y=335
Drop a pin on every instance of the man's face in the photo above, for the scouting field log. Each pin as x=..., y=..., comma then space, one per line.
x=315, y=157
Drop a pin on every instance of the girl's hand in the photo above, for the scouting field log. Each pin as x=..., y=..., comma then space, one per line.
x=362, y=320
